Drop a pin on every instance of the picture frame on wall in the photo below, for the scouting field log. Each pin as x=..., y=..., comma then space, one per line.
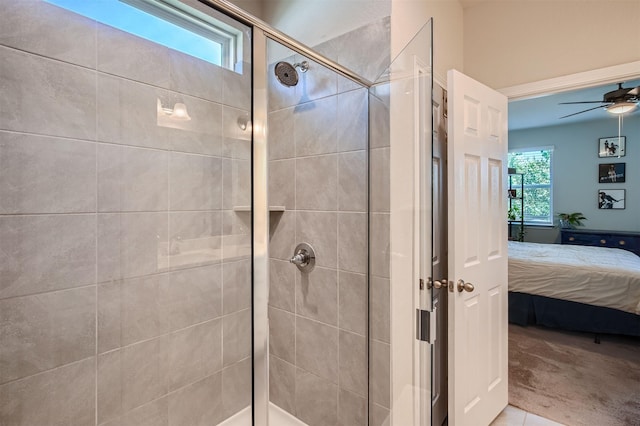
x=611, y=199
x=614, y=146
x=611, y=172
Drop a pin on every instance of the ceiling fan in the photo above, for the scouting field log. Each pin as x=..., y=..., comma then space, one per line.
x=618, y=101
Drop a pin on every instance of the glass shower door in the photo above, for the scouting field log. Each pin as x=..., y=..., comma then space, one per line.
x=317, y=191
x=125, y=219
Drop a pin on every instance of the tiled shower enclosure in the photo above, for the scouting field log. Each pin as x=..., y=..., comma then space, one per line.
x=126, y=229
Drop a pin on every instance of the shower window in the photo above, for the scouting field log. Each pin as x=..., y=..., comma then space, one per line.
x=169, y=23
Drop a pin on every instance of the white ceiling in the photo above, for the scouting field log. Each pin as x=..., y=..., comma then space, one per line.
x=545, y=110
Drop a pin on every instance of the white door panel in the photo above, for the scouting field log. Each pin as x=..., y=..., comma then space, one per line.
x=477, y=151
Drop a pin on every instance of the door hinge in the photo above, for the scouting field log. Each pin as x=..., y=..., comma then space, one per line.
x=426, y=325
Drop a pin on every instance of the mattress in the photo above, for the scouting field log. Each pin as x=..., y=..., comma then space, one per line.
x=596, y=276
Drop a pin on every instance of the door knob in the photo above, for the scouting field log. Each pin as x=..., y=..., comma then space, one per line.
x=436, y=284
x=440, y=284
x=465, y=286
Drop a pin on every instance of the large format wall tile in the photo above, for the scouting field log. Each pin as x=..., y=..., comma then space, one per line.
x=318, y=82
x=124, y=55
x=317, y=295
x=195, y=239
x=131, y=376
x=352, y=181
x=46, y=175
x=352, y=409
x=236, y=133
x=353, y=362
x=317, y=348
x=132, y=179
x=236, y=337
x=200, y=135
x=129, y=244
x=380, y=309
x=195, y=182
x=282, y=183
x=194, y=353
x=379, y=122
x=352, y=242
x=367, y=49
x=199, y=404
x=154, y=413
x=353, y=118
x=236, y=382
x=47, y=97
x=34, y=26
x=282, y=235
x=282, y=277
x=316, y=399
x=380, y=180
x=281, y=135
x=237, y=183
x=236, y=87
x=379, y=244
x=63, y=396
x=128, y=113
x=193, y=296
x=352, y=312
x=380, y=373
x=282, y=384
x=320, y=229
x=196, y=77
x=282, y=337
x=44, y=331
x=132, y=310
x=44, y=253
x=236, y=286
x=315, y=127
x=316, y=183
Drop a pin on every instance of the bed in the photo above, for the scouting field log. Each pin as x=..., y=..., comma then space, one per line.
x=580, y=288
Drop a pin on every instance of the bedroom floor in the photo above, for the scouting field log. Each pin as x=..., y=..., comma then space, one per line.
x=567, y=377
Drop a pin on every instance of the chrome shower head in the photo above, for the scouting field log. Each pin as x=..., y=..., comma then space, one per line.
x=287, y=74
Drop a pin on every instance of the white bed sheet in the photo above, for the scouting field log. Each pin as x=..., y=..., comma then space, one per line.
x=593, y=275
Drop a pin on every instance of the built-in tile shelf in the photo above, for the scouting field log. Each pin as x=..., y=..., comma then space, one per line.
x=272, y=209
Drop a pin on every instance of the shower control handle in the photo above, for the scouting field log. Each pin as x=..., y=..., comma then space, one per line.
x=301, y=258
x=304, y=257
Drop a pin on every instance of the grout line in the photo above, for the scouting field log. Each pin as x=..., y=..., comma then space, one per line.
x=97, y=192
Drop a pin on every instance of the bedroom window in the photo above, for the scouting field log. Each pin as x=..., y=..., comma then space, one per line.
x=536, y=165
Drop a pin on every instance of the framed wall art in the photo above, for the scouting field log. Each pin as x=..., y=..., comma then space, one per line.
x=611, y=172
x=611, y=198
x=612, y=147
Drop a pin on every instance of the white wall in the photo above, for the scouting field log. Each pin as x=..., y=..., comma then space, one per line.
x=315, y=21
x=408, y=16
x=575, y=171
x=513, y=42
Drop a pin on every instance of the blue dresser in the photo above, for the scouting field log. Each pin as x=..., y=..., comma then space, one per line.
x=590, y=237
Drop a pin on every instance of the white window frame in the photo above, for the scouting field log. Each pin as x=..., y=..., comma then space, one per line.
x=229, y=38
x=550, y=222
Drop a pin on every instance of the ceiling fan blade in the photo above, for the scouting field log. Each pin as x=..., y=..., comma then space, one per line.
x=635, y=91
x=583, y=102
x=590, y=109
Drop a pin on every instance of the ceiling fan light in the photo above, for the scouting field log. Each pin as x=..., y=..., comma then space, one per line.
x=621, y=107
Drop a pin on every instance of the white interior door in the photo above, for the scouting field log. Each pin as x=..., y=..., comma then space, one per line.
x=477, y=152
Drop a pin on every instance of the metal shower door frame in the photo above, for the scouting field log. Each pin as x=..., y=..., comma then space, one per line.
x=261, y=31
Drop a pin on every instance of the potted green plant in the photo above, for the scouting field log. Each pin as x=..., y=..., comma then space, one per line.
x=513, y=213
x=571, y=220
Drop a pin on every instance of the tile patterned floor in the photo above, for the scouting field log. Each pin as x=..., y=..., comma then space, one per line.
x=512, y=416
